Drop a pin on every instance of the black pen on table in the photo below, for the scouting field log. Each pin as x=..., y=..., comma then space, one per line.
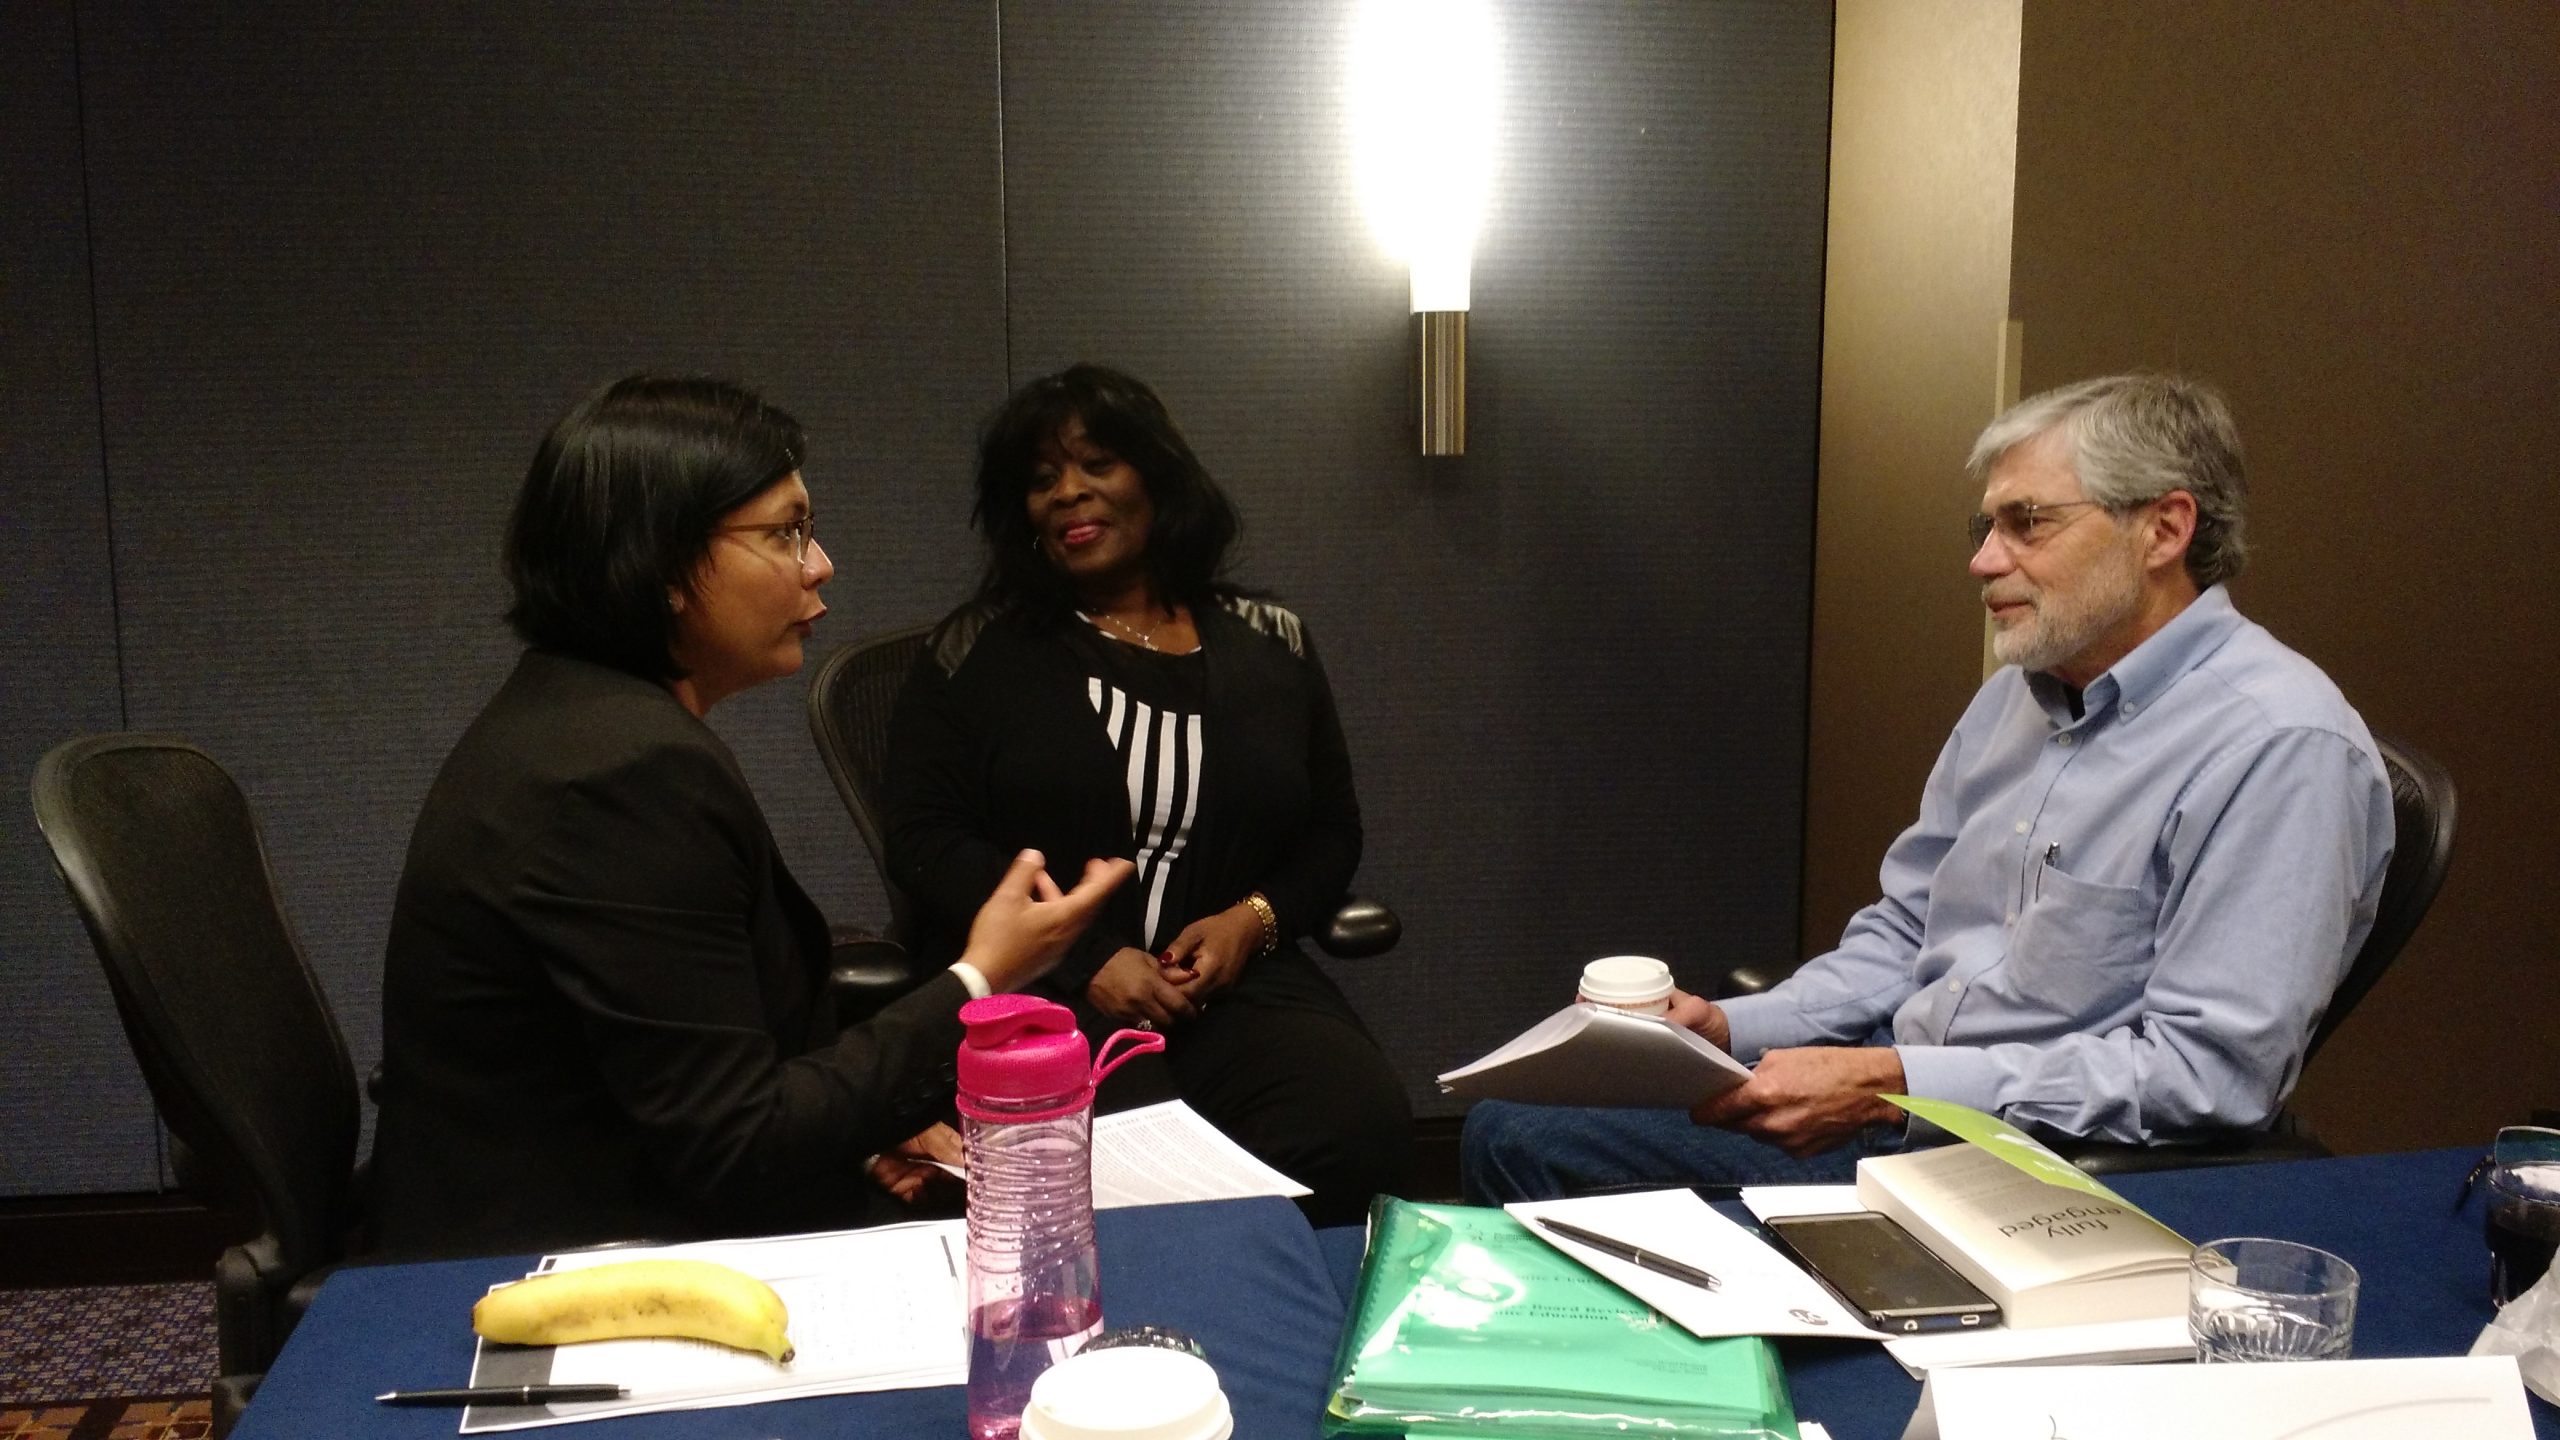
x=1635, y=1255
x=506, y=1395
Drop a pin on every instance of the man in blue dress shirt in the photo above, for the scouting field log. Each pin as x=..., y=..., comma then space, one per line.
x=2142, y=861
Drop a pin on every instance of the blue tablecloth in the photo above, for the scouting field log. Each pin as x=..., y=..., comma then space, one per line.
x=1244, y=1276
x=1267, y=1297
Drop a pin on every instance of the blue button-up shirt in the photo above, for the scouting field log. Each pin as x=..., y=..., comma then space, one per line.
x=2123, y=924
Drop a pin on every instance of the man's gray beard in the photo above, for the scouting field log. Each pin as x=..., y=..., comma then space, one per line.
x=2062, y=630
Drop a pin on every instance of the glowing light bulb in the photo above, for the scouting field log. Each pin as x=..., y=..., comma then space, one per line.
x=1425, y=82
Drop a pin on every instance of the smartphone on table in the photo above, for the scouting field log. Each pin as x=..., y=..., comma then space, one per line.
x=1880, y=1271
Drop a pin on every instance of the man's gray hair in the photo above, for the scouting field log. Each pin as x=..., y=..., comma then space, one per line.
x=2135, y=438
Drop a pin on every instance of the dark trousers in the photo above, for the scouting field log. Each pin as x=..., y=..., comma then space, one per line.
x=1544, y=1152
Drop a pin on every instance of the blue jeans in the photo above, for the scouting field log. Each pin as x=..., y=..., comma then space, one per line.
x=1540, y=1152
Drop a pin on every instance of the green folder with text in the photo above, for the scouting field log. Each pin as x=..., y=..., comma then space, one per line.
x=1467, y=1325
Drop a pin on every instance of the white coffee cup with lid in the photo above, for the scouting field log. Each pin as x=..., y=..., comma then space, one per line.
x=1637, y=984
x=1139, y=1392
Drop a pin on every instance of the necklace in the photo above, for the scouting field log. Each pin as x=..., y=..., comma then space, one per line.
x=1146, y=637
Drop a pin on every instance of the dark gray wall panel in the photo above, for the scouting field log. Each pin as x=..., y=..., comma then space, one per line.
x=1571, y=664
x=350, y=260
x=353, y=259
x=67, y=1073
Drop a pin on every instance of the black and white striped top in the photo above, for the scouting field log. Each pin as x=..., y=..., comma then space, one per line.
x=1161, y=751
x=1153, y=709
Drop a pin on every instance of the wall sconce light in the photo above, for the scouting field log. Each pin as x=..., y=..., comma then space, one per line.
x=1425, y=76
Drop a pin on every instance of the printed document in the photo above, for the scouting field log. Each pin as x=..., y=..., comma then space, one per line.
x=1167, y=1153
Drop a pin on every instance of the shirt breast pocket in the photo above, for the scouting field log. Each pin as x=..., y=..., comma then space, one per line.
x=2082, y=950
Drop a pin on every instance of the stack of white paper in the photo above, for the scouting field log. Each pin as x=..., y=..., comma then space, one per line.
x=879, y=1309
x=1593, y=1055
x=2477, y=1399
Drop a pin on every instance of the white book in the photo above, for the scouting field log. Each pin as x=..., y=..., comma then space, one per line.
x=1594, y=1055
x=2108, y=1342
x=2050, y=1254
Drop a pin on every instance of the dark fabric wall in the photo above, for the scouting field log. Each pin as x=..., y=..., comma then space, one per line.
x=58, y=648
x=348, y=263
x=1571, y=665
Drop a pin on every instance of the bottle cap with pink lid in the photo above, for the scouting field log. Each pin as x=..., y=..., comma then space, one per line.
x=1021, y=1048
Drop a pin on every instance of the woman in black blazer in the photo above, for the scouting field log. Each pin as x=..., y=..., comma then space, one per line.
x=1108, y=693
x=604, y=1006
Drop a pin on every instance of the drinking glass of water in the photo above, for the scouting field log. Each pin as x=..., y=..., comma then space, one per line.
x=2523, y=1218
x=2257, y=1299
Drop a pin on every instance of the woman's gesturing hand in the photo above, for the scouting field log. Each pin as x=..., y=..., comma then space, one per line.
x=1027, y=923
x=1210, y=953
x=1134, y=989
x=908, y=1171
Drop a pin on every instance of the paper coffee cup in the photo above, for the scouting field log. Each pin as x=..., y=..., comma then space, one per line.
x=1138, y=1393
x=1638, y=984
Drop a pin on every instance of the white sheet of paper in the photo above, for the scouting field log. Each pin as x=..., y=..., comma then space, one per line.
x=1763, y=1293
x=2475, y=1398
x=1770, y=1202
x=1166, y=1153
x=878, y=1309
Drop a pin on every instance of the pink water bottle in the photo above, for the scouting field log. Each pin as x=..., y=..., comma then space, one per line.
x=1026, y=1119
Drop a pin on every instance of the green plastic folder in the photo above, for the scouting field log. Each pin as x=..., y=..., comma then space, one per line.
x=1467, y=1325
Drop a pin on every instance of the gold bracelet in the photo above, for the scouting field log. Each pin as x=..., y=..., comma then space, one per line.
x=1270, y=921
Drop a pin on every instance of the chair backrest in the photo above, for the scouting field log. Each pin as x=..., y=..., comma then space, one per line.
x=2422, y=811
x=234, y=1036
x=850, y=700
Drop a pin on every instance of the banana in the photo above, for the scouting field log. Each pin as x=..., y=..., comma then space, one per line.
x=694, y=1299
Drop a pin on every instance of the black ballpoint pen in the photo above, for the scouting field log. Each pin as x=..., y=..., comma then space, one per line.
x=506, y=1395
x=1635, y=1255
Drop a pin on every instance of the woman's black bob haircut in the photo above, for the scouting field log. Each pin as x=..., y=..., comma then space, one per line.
x=1195, y=523
x=620, y=506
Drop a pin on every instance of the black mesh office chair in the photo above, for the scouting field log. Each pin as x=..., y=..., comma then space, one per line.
x=2422, y=815
x=235, y=1039
x=850, y=701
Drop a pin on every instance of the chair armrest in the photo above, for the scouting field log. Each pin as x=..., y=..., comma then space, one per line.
x=2288, y=1139
x=231, y=1396
x=865, y=972
x=1360, y=929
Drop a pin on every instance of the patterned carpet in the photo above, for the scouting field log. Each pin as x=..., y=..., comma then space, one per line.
x=150, y=1347
x=190, y=1418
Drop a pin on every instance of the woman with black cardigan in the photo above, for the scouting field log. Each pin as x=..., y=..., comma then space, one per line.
x=1108, y=693
x=604, y=1004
